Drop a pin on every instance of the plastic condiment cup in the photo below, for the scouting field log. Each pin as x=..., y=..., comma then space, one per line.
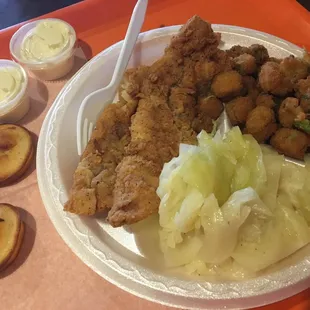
x=47, y=69
x=16, y=107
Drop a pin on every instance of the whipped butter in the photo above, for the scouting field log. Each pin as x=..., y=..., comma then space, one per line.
x=45, y=48
x=48, y=39
x=11, y=80
x=14, y=100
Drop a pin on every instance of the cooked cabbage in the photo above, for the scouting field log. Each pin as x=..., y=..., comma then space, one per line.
x=273, y=164
x=279, y=237
x=230, y=205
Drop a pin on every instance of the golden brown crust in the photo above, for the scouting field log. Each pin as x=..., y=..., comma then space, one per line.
x=8, y=144
x=164, y=118
x=227, y=84
x=289, y=112
x=290, y=142
x=94, y=178
x=265, y=100
x=18, y=233
x=135, y=191
x=238, y=110
x=245, y=64
x=16, y=250
x=273, y=80
x=261, y=123
x=294, y=68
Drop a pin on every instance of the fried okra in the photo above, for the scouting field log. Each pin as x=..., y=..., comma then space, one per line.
x=251, y=87
x=245, y=64
x=302, y=88
x=202, y=122
x=294, y=68
x=238, y=110
x=206, y=70
x=237, y=50
x=265, y=100
x=227, y=84
x=290, y=111
x=259, y=52
x=273, y=80
x=290, y=142
x=210, y=106
x=261, y=123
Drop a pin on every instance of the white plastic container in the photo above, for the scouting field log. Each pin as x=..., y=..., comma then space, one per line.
x=17, y=106
x=50, y=68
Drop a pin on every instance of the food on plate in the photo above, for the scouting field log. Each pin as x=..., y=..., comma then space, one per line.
x=180, y=96
x=16, y=152
x=238, y=109
x=245, y=64
x=294, y=68
x=290, y=112
x=11, y=235
x=290, y=142
x=227, y=84
x=302, y=88
x=250, y=87
x=265, y=100
x=210, y=106
x=220, y=206
x=159, y=108
x=238, y=50
x=260, y=53
x=280, y=90
x=261, y=123
x=294, y=188
x=273, y=80
x=208, y=109
x=137, y=174
x=164, y=118
x=303, y=125
x=94, y=178
x=182, y=106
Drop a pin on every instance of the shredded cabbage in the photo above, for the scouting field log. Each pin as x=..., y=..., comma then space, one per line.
x=230, y=205
x=273, y=164
x=279, y=237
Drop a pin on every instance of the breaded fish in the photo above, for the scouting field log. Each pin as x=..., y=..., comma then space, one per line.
x=94, y=178
x=154, y=141
x=163, y=120
x=120, y=168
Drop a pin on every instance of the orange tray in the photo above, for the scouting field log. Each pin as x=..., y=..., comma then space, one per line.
x=100, y=23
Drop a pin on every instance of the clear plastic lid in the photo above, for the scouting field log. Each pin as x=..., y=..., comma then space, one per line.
x=26, y=30
x=5, y=107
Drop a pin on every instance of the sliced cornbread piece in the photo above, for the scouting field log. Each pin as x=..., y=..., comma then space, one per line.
x=16, y=152
x=11, y=234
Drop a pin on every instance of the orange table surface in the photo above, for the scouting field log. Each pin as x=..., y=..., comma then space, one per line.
x=100, y=23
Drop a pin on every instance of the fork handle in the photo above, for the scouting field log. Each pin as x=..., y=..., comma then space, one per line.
x=135, y=24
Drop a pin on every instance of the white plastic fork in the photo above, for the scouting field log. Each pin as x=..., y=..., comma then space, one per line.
x=94, y=103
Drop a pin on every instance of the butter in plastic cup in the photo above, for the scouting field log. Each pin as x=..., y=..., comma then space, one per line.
x=48, y=69
x=17, y=107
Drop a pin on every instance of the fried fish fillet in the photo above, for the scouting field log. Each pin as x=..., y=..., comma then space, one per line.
x=120, y=167
x=162, y=120
x=94, y=178
x=154, y=141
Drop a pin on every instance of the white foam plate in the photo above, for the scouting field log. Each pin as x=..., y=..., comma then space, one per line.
x=129, y=257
